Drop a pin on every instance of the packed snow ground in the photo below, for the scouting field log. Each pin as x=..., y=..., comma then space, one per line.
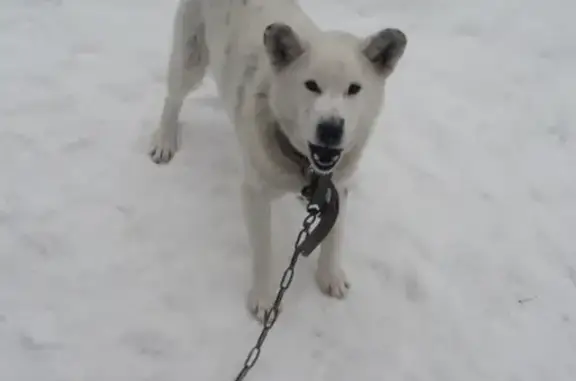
x=462, y=234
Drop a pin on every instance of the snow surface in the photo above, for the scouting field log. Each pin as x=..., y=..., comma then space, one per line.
x=462, y=234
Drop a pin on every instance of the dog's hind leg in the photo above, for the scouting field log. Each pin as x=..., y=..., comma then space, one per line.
x=186, y=69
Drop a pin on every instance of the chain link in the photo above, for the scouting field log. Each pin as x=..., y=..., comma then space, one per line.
x=272, y=314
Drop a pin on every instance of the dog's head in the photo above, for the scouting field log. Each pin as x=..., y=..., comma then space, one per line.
x=327, y=90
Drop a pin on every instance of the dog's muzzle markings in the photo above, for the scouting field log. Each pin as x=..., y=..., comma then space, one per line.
x=323, y=206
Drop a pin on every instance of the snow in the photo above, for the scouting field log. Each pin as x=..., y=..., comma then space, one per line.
x=460, y=244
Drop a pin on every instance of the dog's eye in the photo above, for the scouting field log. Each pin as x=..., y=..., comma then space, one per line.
x=354, y=89
x=312, y=86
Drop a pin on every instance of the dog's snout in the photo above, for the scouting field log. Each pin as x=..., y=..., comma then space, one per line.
x=330, y=132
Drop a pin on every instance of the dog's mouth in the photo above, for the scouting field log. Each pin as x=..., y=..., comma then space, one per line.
x=324, y=159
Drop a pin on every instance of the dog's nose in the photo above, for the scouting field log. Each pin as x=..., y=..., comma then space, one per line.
x=329, y=132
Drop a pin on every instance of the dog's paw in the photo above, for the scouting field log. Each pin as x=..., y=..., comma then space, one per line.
x=259, y=305
x=333, y=283
x=164, y=146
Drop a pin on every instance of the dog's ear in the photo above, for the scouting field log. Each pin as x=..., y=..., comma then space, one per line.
x=282, y=45
x=384, y=49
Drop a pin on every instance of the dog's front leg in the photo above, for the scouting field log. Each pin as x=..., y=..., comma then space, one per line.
x=330, y=276
x=257, y=215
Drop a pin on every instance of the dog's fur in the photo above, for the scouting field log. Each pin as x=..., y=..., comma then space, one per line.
x=261, y=53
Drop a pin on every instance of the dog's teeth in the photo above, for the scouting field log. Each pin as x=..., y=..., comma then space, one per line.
x=316, y=157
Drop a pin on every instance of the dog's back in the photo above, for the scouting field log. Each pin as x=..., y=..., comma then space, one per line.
x=234, y=37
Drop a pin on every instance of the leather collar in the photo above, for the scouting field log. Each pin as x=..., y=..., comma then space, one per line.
x=291, y=153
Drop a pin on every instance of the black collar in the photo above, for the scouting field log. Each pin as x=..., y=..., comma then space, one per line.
x=292, y=154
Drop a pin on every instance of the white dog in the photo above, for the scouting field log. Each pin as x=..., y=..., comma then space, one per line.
x=296, y=95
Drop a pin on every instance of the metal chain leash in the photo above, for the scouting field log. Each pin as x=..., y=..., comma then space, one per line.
x=272, y=313
x=322, y=205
